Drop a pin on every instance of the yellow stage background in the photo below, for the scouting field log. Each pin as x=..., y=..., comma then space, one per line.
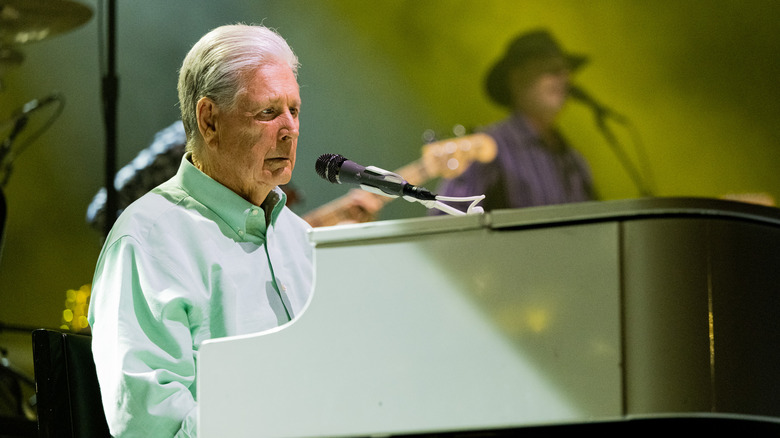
x=698, y=79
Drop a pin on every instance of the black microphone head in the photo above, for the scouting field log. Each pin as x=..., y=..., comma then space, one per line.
x=577, y=92
x=328, y=165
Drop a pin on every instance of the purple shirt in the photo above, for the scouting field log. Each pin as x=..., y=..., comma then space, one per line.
x=526, y=172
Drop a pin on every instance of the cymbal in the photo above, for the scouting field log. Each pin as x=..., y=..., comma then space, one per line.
x=27, y=21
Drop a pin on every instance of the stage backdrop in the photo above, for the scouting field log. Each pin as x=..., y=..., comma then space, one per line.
x=698, y=81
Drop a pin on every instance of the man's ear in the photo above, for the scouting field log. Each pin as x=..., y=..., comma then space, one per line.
x=206, y=114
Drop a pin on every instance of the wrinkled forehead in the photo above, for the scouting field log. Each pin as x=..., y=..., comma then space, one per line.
x=269, y=82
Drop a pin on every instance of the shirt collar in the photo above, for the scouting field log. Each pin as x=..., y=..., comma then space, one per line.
x=525, y=128
x=522, y=124
x=245, y=218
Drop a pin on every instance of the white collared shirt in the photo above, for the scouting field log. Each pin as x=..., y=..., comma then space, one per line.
x=187, y=262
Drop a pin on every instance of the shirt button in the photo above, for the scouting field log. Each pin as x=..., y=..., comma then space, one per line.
x=284, y=288
x=240, y=232
x=254, y=212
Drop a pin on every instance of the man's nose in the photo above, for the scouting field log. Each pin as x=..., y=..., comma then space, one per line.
x=289, y=128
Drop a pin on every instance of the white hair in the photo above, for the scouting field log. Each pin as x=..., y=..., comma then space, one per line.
x=214, y=67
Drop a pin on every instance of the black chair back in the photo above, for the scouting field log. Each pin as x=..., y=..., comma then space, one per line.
x=67, y=391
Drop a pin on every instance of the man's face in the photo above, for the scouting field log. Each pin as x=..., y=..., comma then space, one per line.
x=256, y=141
x=541, y=85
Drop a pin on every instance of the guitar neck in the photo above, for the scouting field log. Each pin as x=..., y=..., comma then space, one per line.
x=415, y=173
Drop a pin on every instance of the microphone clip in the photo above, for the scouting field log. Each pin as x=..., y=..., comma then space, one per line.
x=385, y=175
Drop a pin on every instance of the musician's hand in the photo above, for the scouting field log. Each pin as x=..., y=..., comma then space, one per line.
x=361, y=206
x=357, y=206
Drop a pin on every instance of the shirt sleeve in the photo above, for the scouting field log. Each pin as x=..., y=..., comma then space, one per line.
x=142, y=344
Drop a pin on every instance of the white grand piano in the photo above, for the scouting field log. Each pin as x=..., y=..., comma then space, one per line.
x=608, y=314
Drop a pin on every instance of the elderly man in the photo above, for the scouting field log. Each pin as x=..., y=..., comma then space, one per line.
x=213, y=251
x=534, y=164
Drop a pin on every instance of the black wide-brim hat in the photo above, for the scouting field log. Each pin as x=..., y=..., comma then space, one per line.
x=531, y=45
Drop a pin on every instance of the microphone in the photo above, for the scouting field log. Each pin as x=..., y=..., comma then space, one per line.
x=339, y=170
x=20, y=119
x=35, y=104
x=21, y=116
x=600, y=111
x=579, y=94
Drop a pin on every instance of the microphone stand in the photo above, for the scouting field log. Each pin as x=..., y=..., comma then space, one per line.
x=633, y=173
x=5, y=149
x=110, y=89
